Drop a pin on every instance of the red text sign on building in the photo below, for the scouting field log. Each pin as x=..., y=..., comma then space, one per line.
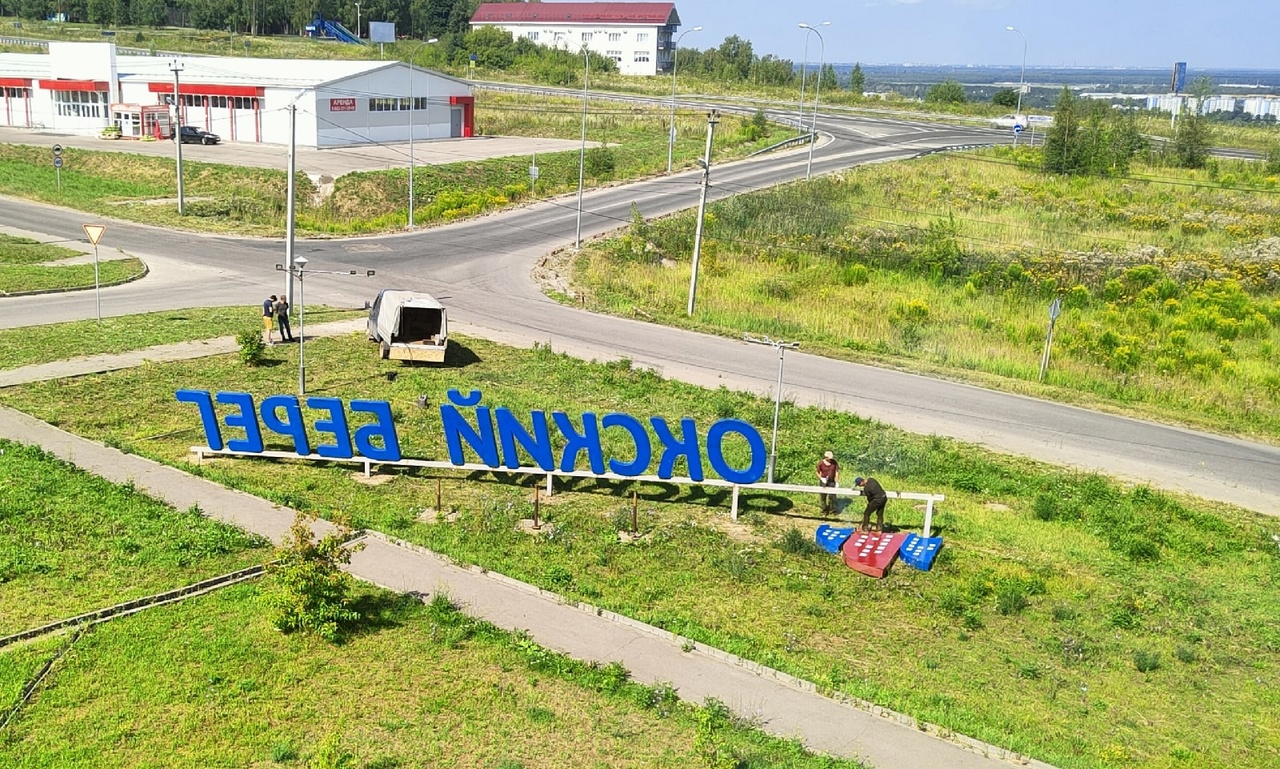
x=342, y=105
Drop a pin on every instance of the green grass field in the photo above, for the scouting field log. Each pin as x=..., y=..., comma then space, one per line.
x=1070, y=618
x=412, y=683
x=26, y=265
x=1170, y=280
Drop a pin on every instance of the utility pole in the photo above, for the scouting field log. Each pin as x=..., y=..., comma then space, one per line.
x=177, y=128
x=782, y=348
x=288, y=243
x=712, y=119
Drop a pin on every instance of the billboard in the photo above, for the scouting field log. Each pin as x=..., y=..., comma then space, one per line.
x=1179, y=76
x=382, y=32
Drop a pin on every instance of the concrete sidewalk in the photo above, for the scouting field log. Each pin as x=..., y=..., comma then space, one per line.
x=778, y=703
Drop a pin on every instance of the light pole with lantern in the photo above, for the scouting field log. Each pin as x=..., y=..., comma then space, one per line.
x=582, y=153
x=299, y=270
x=817, y=89
x=675, y=59
x=1022, y=78
x=782, y=348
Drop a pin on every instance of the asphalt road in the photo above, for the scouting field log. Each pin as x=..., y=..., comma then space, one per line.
x=481, y=269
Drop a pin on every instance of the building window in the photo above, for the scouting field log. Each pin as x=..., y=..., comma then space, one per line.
x=17, y=93
x=615, y=37
x=532, y=36
x=642, y=37
x=586, y=37
x=192, y=101
x=396, y=105
x=641, y=56
x=244, y=102
x=615, y=55
x=91, y=104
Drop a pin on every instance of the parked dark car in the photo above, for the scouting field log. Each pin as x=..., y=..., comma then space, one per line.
x=193, y=135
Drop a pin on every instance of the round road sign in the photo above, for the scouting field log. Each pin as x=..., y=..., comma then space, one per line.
x=57, y=162
x=57, y=150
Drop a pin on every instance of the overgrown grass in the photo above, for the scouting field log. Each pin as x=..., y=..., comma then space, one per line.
x=1025, y=634
x=43, y=344
x=417, y=684
x=23, y=268
x=1170, y=280
x=71, y=542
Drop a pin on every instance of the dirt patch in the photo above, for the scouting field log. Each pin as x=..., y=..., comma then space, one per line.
x=996, y=506
x=376, y=479
x=553, y=273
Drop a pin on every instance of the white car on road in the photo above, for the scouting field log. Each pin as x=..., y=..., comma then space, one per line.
x=1035, y=121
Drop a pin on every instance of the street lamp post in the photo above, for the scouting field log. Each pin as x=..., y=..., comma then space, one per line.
x=357, y=21
x=675, y=58
x=582, y=153
x=782, y=348
x=299, y=271
x=1022, y=76
x=712, y=119
x=412, y=110
x=805, y=69
x=817, y=89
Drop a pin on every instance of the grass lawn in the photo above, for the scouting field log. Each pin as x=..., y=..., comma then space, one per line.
x=1169, y=280
x=27, y=265
x=71, y=542
x=43, y=344
x=1070, y=618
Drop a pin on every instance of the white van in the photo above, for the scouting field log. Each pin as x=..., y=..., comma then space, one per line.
x=408, y=325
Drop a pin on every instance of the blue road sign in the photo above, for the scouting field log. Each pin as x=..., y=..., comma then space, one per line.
x=1017, y=128
x=57, y=162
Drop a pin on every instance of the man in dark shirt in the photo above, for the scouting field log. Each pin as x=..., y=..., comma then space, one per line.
x=876, y=500
x=828, y=474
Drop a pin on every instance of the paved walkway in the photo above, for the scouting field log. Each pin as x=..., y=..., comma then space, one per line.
x=779, y=703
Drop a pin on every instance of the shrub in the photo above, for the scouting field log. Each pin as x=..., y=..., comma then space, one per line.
x=855, y=275
x=1011, y=598
x=601, y=162
x=252, y=349
x=306, y=589
x=1146, y=661
x=795, y=542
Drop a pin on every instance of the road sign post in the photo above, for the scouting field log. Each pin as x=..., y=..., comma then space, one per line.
x=94, y=233
x=57, y=166
x=1055, y=309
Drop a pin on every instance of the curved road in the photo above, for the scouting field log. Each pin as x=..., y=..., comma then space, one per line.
x=481, y=268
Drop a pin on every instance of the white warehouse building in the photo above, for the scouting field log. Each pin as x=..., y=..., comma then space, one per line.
x=638, y=36
x=82, y=88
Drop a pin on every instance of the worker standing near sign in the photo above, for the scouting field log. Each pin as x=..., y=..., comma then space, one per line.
x=876, y=500
x=828, y=473
x=268, y=313
x=282, y=320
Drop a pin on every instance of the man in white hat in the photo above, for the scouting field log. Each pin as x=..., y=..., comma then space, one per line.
x=828, y=474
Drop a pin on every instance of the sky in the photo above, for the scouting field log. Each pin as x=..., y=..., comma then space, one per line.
x=1099, y=33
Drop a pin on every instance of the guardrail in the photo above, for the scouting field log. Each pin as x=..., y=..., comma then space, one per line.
x=929, y=499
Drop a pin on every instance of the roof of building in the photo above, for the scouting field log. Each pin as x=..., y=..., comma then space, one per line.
x=269, y=73
x=577, y=13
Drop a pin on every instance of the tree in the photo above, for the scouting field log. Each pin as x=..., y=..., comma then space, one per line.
x=1061, y=154
x=1005, y=97
x=828, y=79
x=306, y=589
x=1191, y=132
x=857, y=80
x=149, y=13
x=946, y=92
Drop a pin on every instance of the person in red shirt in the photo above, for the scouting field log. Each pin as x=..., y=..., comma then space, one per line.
x=828, y=474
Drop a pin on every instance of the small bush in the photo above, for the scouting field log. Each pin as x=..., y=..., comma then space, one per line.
x=1063, y=613
x=1011, y=599
x=1186, y=655
x=283, y=751
x=796, y=543
x=252, y=349
x=306, y=589
x=854, y=275
x=601, y=162
x=1146, y=661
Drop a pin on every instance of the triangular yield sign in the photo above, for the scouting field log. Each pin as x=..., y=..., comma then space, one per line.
x=94, y=231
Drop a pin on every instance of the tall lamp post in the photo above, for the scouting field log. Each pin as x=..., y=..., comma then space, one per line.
x=412, y=110
x=582, y=154
x=357, y=21
x=817, y=89
x=1022, y=76
x=299, y=270
x=782, y=348
x=805, y=70
x=675, y=58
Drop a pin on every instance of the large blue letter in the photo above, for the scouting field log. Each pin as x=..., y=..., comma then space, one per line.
x=335, y=425
x=672, y=448
x=292, y=424
x=576, y=443
x=715, y=451
x=644, y=452
x=212, y=435
x=510, y=432
x=245, y=416
x=382, y=426
x=457, y=429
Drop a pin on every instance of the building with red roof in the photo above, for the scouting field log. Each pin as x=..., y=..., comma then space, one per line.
x=635, y=35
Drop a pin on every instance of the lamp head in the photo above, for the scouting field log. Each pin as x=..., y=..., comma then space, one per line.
x=300, y=261
x=433, y=40
x=695, y=29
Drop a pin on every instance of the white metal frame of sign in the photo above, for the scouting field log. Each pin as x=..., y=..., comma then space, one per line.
x=929, y=499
